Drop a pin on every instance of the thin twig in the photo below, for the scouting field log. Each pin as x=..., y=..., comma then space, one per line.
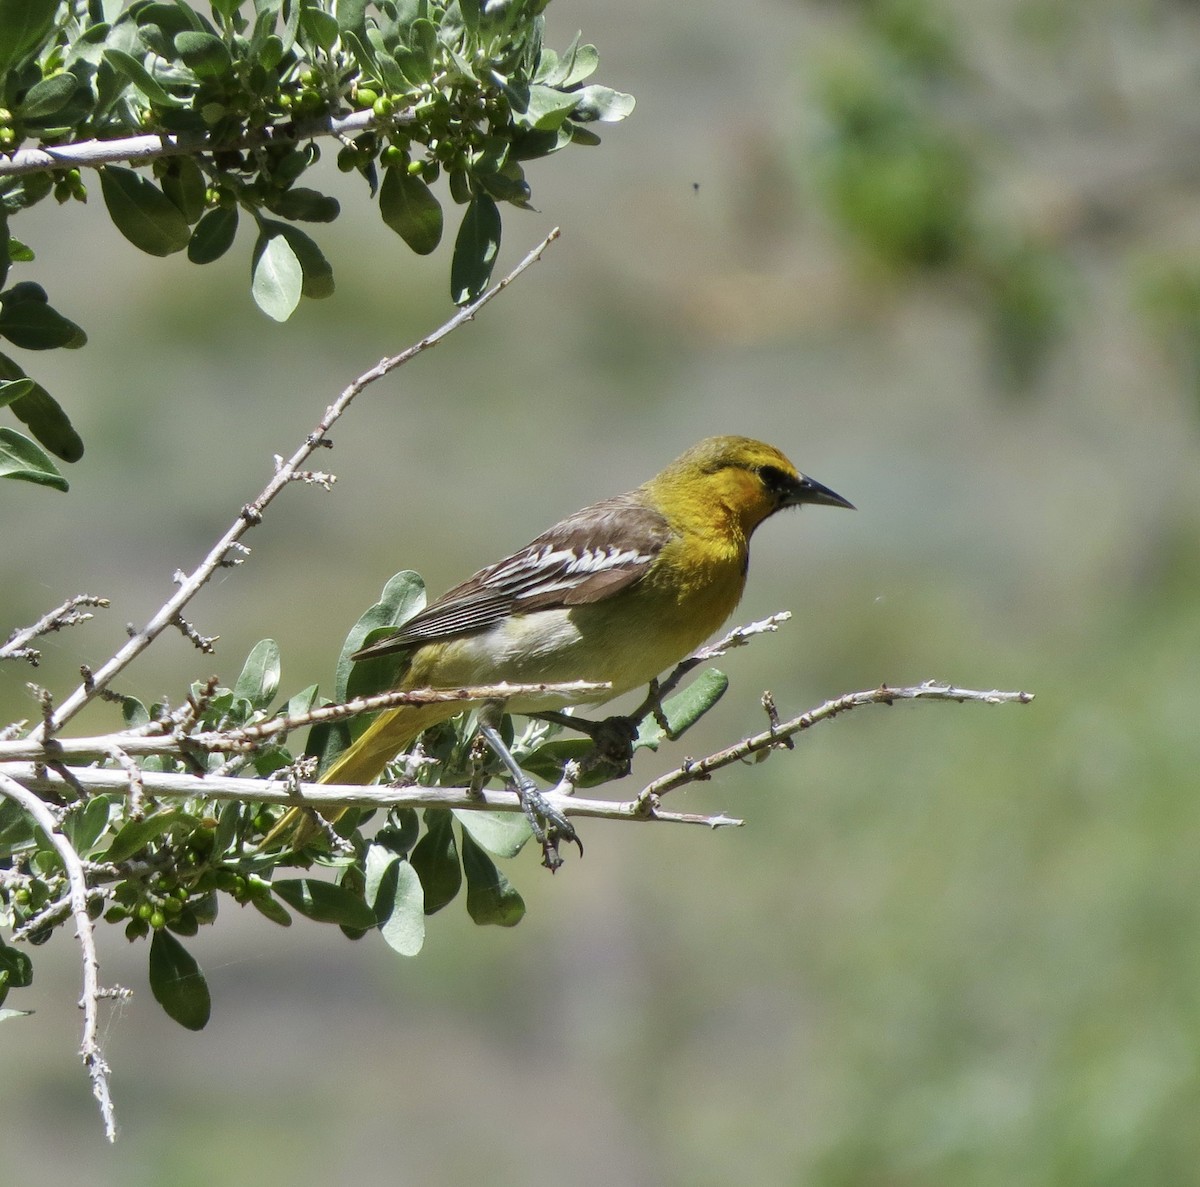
x=694, y=770
x=738, y=637
x=89, y=1049
x=68, y=614
x=251, y=514
x=179, y=743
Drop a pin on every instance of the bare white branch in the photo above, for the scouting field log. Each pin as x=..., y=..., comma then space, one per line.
x=91, y=154
x=89, y=1049
x=338, y=795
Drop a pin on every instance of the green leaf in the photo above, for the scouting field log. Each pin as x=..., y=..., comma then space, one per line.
x=580, y=65
x=48, y=96
x=500, y=833
x=259, y=679
x=321, y=27
x=133, y=712
x=6, y=1014
x=402, y=597
x=135, y=835
x=177, y=983
x=129, y=67
x=548, y=760
x=14, y=389
x=351, y=14
x=33, y=325
x=226, y=830
x=402, y=835
x=603, y=103
x=683, y=710
x=205, y=55
x=325, y=903
x=491, y=898
x=83, y=828
x=278, y=278
x=546, y=108
x=23, y=26
x=378, y=861
x=408, y=206
x=435, y=860
x=21, y=459
x=318, y=273
x=43, y=416
x=142, y=212
x=272, y=908
x=475, y=250
x=184, y=184
x=213, y=235
x=404, y=928
x=293, y=267
x=16, y=965
x=305, y=205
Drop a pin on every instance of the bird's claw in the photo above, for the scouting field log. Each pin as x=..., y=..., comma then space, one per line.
x=548, y=824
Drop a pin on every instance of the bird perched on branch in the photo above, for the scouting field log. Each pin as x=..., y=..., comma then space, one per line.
x=615, y=593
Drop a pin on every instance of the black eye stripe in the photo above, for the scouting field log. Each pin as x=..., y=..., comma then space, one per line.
x=776, y=480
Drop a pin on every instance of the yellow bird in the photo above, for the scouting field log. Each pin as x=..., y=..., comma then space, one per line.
x=616, y=593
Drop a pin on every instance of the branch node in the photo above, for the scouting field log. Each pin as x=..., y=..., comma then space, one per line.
x=204, y=643
x=229, y=561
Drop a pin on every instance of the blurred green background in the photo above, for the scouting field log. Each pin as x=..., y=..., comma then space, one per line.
x=945, y=255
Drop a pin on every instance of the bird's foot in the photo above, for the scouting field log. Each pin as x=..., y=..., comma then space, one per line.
x=549, y=826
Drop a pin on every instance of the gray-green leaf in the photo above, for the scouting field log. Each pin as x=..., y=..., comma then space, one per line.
x=683, y=710
x=500, y=833
x=259, y=679
x=404, y=928
x=21, y=459
x=278, y=279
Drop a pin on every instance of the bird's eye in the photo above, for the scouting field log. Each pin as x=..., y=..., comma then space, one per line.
x=777, y=481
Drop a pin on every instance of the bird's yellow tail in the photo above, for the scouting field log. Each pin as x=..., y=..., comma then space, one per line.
x=391, y=732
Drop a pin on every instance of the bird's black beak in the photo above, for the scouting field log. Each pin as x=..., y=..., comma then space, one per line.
x=808, y=490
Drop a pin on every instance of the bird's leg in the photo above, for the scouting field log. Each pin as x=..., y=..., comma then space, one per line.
x=549, y=825
x=612, y=737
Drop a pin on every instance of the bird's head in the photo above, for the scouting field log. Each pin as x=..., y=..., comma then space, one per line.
x=749, y=479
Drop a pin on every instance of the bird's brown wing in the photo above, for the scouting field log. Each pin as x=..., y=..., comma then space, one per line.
x=587, y=557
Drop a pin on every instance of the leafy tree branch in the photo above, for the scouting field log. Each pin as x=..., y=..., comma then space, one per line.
x=200, y=125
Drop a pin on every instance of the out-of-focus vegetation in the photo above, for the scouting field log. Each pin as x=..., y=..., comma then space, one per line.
x=953, y=945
